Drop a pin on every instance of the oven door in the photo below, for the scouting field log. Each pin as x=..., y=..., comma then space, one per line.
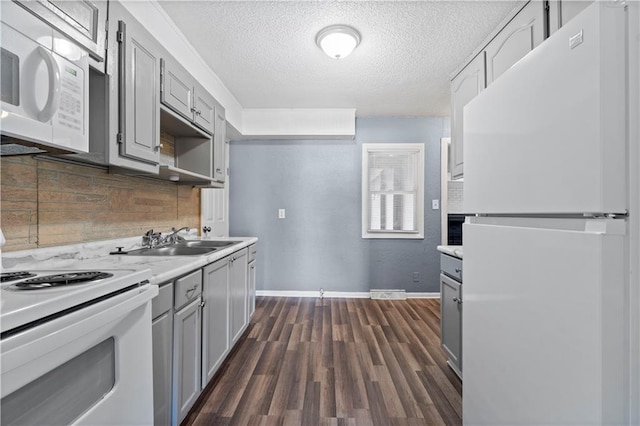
x=92, y=366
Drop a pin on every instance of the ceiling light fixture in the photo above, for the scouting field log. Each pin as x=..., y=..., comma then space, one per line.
x=338, y=41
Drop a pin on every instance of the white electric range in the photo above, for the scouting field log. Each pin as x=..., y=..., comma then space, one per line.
x=78, y=343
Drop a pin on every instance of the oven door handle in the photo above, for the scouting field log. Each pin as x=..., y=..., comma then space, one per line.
x=53, y=100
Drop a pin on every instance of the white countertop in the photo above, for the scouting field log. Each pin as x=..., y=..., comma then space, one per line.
x=95, y=255
x=455, y=251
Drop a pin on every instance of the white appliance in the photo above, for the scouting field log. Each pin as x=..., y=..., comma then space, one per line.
x=545, y=326
x=75, y=347
x=44, y=83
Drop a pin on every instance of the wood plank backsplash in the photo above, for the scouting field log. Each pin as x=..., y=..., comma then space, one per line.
x=45, y=203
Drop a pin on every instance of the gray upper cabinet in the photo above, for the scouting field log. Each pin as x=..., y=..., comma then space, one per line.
x=183, y=95
x=519, y=37
x=464, y=87
x=204, y=110
x=176, y=89
x=561, y=12
x=219, y=143
x=82, y=20
x=139, y=91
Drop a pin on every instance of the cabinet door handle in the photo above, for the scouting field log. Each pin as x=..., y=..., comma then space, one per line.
x=458, y=270
x=457, y=300
x=202, y=304
x=190, y=291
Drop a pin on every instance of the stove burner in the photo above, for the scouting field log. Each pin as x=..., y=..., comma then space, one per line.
x=13, y=276
x=60, y=280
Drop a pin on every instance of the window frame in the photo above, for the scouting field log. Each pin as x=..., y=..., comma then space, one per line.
x=367, y=148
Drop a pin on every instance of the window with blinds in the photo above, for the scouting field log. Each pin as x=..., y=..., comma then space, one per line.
x=392, y=187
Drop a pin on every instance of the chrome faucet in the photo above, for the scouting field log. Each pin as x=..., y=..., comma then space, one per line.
x=151, y=239
x=173, y=237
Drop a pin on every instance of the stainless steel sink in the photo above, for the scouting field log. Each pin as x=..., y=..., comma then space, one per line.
x=172, y=251
x=207, y=243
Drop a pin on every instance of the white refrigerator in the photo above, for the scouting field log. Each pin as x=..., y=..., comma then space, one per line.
x=545, y=323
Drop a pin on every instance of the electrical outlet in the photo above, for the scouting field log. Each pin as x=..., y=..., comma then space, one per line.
x=416, y=277
x=435, y=204
x=281, y=214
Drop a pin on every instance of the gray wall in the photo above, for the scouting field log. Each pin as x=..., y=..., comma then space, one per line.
x=319, y=243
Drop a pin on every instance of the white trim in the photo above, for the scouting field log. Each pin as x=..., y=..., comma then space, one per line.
x=386, y=147
x=423, y=295
x=445, y=144
x=332, y=123
x=337, y=294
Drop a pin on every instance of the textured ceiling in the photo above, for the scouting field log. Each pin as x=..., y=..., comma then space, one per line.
x=265, y=51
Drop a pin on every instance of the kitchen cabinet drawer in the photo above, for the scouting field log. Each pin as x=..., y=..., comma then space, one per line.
x=188, y=288
x=451, y=266
x=163, y=301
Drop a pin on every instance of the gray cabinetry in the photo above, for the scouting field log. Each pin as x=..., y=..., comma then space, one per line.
x=185, y=96
x=162, y=329
x=215, y=317
x=139, y=91
x=561, y=12
x=219, y=143
x=451, y=321
x=251, y=297
x=82, y=20
x=238, y=293
x=464, y=87
x=204, y=110
x=176, y=89
x=451, y=310
x=517, y=37
x=187, y=344
x=520, y=36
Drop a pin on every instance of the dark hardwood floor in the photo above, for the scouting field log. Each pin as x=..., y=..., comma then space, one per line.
x=309, y=361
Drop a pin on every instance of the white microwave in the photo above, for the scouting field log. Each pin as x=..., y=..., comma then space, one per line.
x=44, y=92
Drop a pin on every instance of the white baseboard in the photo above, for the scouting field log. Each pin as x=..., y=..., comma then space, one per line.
x=423, y=295
x=337, y=294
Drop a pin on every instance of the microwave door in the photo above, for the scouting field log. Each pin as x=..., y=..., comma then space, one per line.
x=70, y=92
x=27, y=76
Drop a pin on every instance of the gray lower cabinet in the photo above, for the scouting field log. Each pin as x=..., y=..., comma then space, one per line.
x=162, y=330
x=187, y=344
x=251, y=283
x=215, y=318
x=451, y=321
x=238, y=293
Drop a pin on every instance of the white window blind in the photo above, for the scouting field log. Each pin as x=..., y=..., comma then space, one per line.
x=392, y=190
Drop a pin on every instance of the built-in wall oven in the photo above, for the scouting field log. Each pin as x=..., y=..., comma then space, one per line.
x=75, y=348
x=44, y=91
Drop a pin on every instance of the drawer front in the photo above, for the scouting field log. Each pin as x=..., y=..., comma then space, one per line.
x=188, y=288
x=451, y=266
x=163, y=302
x=252, y=253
